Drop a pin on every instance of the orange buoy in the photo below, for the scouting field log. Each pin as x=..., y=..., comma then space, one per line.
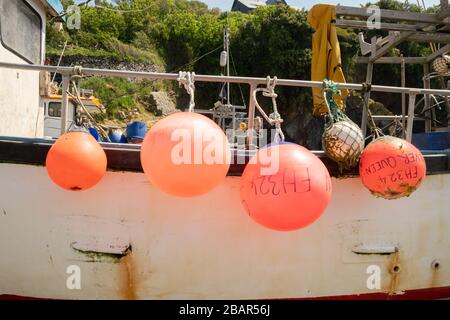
x=285, y=187
x=76, y=161
x=185, y=154
x=391, y=167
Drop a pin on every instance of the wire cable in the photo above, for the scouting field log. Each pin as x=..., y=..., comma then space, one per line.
x=235, y=72
x=195, y=60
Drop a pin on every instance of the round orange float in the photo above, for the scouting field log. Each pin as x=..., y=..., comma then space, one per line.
x=185, y=154
x=285, y=187
x=76, y=161
x=391, y=167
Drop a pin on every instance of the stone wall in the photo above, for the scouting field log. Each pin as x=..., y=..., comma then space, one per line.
x=102, y=63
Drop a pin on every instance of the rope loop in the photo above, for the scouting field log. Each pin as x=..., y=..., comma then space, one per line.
x=274, y=119
x=77, y=73
x=80, y=126
x=187, y=79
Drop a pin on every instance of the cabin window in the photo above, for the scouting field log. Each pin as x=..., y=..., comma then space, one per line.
x=21, y=29
x=54, y=109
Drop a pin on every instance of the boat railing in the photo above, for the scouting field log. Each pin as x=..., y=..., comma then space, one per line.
x=253, y=82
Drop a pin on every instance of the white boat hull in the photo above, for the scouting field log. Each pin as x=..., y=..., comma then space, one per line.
x=208, y=247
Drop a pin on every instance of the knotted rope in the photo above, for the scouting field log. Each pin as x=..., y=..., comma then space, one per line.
x=274, y=119
x=335, y=114
x=187, y=80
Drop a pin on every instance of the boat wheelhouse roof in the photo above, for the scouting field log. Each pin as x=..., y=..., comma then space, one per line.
x=53, y=7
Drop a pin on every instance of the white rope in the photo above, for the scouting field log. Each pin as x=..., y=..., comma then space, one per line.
x=187, y=80
x=60, y=59
x=274, y=119
x=80, y=102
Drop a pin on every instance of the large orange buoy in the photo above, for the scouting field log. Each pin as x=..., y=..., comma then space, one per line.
x=285, y=187
x=185, y=154
x=391, y=167
x=76, y=161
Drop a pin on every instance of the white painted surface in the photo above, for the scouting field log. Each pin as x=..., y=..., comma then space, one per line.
x=21, y=113
x=208, y=247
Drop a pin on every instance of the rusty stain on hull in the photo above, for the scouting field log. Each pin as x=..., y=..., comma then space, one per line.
x=127, y=289
x=394, y=270
x=435, y=266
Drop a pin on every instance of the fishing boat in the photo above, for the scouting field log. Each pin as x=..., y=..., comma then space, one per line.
x=52, y=106
x=152, y=245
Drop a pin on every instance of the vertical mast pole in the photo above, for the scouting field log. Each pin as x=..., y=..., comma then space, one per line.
x=227, y=48
x=403, y=84
x=65, y=103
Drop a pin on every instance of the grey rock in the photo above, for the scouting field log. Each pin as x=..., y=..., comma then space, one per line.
x=161, y=104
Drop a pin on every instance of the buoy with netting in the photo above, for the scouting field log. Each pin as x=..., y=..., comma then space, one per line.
x=342, y=140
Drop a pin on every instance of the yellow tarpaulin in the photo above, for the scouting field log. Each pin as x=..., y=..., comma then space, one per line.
x=326, y=53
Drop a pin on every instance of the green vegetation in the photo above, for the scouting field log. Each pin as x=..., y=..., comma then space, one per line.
x=172, y=34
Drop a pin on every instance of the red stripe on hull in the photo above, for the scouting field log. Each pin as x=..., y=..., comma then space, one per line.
x=12, y=297
x=418, y=294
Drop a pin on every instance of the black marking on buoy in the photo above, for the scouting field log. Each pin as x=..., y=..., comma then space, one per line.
x=244, y=203
x=76, y=188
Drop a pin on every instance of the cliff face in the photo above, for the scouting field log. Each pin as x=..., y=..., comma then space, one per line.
x=102, y=63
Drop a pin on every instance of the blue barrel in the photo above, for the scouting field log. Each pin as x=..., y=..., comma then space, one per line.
x=123, y=139
x=432, y=140
x=115, y=136
x=94, y=133
x=136, y=131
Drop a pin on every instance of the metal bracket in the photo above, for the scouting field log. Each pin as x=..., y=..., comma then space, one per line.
x=367, y=48
x=104, y=246
x=375, y=249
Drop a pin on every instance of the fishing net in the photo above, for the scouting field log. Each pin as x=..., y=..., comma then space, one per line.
x=342, y=139
x=441, y=65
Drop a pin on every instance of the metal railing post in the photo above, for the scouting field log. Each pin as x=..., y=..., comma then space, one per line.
x=65, y=103
x=251, y=115
x=366, y=98
x=410, y=123
x=403, y=84
x=426, y=85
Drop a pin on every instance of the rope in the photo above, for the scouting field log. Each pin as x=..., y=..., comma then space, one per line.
x=66, y=12
x=335, y=114
x=86, y=3
x=187, y=80
x=274, y=119
x=60, y=58
x=123, y=10
x=80, y=102
x=77, y=74
x=366, y=87
x=376, y=131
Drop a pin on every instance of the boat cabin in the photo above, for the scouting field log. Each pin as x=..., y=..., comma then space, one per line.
x=22, y=41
